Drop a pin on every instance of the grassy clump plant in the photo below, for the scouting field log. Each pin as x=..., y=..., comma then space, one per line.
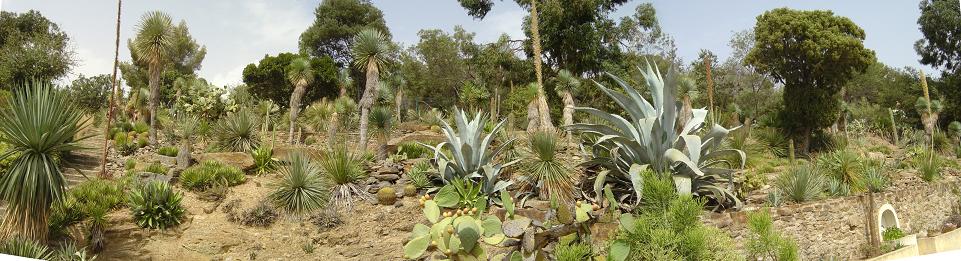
x=202, y=176
x=844, y=166
x=929, y=165
x=801, y=183
x=302, y=188
x=168, y=151
x=342, y=168
x=238, y=131
x=545, y=173
x=766, y=243
x=18, y=246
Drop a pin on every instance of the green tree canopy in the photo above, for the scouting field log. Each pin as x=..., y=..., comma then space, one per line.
x=91, y=93
x=32, y=48
x=268, y=79
x=940, y=24
x=336, y=23
x=813, y=53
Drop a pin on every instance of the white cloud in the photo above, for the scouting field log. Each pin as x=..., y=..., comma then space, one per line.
x=508, y=22
x=228, y=78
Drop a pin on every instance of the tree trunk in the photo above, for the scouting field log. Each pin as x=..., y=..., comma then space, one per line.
x=332, y=129
x=183, y=154
x=542, y=109
x=533, y=122
x=295, y=108
x=568, y=117
x=398, y=100
x=113, y=98
x=154, y=99
x=366, y=101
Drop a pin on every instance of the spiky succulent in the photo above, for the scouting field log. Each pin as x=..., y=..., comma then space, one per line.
x=471, y=154
x=651, y=137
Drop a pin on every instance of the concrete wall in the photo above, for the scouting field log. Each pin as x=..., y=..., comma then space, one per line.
x=837, y=227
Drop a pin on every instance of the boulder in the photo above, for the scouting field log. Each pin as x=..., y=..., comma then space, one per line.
x=387, y=177
x=237, y=159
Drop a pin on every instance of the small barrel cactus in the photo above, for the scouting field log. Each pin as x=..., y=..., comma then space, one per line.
x=386, y=196
x=410, y=190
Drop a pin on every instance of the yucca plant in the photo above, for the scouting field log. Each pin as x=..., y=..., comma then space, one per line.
x=875, y=176
x=39, y=124
x=801, y=183
x=844, y=166
x=929, y=164
x=22, y=247
x=155, y=205
x=381, y=118
x=302, y=188
x=342, y=168
x=471, y=154
x=546, y=173
x=238, y=131
x=652, y=138
x=773, y=141
x=184, y=130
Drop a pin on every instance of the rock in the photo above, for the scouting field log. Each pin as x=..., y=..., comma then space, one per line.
x=168, y=161
x=516, y=227
x=388, y=169
x=144, y=177
x=528, y=243
x=411, y=126
x=237, y=159
x=387, y=177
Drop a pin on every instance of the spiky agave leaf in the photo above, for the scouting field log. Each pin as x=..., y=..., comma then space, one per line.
x=471, y=153
x=302, y=188
x=39, y=124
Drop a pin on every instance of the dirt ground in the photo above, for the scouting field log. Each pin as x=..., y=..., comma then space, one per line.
x=369, y=232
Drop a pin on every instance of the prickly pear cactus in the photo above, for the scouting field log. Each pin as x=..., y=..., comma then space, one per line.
x=456, y=234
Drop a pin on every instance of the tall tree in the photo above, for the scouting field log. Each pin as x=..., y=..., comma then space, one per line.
x=91, y=93
x=153, y=43
x=267, y=79
x=32, y=48
x=372, y=52
x=813, y=53
x=300, y=75
x=940, y=25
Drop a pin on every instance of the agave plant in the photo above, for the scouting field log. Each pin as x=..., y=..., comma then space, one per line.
x=238, y=131
x=652, y=138
x=471, y=154
x=302, y=188
x=39, y=124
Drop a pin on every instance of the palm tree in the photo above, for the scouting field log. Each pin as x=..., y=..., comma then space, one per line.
x=300, y=75
x=39, y=124
x=567, y=83
x=371, y=52
x=543, y=111
x=154, y=39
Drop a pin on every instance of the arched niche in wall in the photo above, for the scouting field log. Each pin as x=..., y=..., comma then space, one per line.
x=887, y=218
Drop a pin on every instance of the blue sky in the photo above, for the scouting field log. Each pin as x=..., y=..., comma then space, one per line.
x=240, y=32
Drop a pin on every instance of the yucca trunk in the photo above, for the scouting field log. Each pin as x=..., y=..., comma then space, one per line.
x=568, y=116
x=533, y=122
x=542, y=109
x=332, y=129
x=183, y=155
x=367, y=100
x=398, y=100
x=154, y=84
x=295, y=108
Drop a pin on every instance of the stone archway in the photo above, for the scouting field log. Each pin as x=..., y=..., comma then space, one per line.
x=887, y=217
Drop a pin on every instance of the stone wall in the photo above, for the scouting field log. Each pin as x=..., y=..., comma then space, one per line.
x=837, y=227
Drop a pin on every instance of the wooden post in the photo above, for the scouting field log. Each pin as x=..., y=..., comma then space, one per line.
x=710, y=88
x=113, y=94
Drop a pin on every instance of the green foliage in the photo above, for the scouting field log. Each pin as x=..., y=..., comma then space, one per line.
x=267, y=79
x=670, y=233
x=573, y=251
x=91, y=93
x=928, y=164
x=876, y=176
x=545, y=173
x=648, y=138
x=801, y=183
x=766, y=243
x=419, y=174
x=461, y=193
x=828, y=48
x=843, y=165
x=238, y=131
x=26, y=248
x=386, y=196
x=457, y=235
x=155, y=205
x=33, y=48
x=264, y=161
x=773, y=141
x=413, y=150
x=124, y=144
x=203, y=176
x=892, y=233
x=471, y=155
x=954, y=129
x=69, y=251
x=168, y=151
x=837, y=188
x=337, y=21
x=343, y=168
x=302, y=188
x=130, y=164
x=39, y=125
x=140, y=127
x=156, y=167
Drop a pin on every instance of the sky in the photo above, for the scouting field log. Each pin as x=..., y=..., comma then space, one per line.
x=240, y=32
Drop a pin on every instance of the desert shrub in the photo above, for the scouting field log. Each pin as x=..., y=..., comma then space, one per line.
x=130, y=164
x=544, y=173
x=261, y=215
x=168, y=151
x=203, y=176
x=801, y=183
x=413, y=150
x=140, y=127
x=343, y=168
x=87, y=200
x=941, y=141
x=766, y=243
x=302, y=188
x=892, y=233
x=573, y=251
x=156, y=167
x=843, y=165
x=837, y=188
x=928, y=164
x=142, y=141
x=25, y=248
x=124, y=144
x=823, y=141
x=326, y=219
x=155, y=205
x=238, y=131
x=876, y=176
x=264, y=161
x=419, y=175
x=753, y=180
